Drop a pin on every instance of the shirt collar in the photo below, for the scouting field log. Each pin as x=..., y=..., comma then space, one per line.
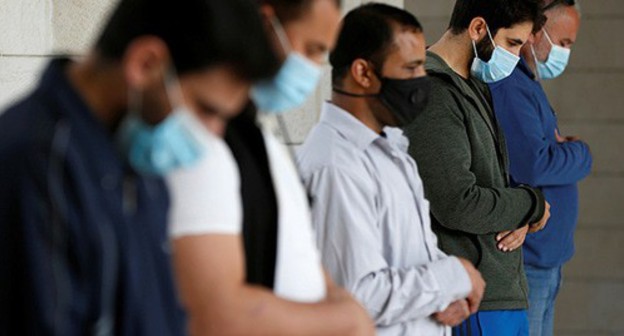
x=348, y=126
x=356, y=132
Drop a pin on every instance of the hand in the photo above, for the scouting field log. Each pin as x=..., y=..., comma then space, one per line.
x=573, y=138
x=478, y=286
x=511, y=240
x=455, y=314
x=535, y=227
x=562, y=139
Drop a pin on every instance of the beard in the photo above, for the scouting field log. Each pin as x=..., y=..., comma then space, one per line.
x=485, y=48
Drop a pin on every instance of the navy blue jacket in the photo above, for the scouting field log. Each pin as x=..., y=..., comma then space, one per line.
x=538, y=160
x=83, y=240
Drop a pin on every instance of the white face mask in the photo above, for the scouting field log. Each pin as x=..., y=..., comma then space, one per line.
x=294, y=83
x=500, y=66
x=177, y=141
x=556, y=63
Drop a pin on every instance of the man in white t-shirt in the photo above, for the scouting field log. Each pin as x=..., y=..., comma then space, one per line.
x=242, y=237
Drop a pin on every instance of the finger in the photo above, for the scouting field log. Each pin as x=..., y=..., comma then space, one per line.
x=465, y=310
x=507, y=242
x=516, y=244
x=502, y=235
x=520, y=238
x=473, y=304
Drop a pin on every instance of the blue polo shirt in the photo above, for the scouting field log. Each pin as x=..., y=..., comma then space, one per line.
x=83, y=239
x=537, y=159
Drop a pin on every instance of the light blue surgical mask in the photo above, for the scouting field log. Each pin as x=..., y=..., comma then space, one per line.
x=176, y=142
x=556, y=63
x=294, y=83
x=500, y=66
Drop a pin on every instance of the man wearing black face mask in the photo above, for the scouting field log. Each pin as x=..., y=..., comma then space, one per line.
x=369, y=212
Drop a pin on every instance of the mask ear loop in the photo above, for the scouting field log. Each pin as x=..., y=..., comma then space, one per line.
x=548, y=37
x=279, y=30
x=173, y=87
x=474, y=47
x=487, y=28
x=474, y=43
x=539, y=76
x=371, y=95
x=135, y=102
x=281, y=34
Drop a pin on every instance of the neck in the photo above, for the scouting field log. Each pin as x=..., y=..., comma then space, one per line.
x=102, y=89
x=528, y=56
x=456, y=51
x=358, y=108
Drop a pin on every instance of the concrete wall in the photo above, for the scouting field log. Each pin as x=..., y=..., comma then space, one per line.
x=40, y=28
x=36, y=29
x=589, y=100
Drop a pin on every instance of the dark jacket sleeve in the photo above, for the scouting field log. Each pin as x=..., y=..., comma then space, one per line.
x=41, y=292
x=536, y=159
x=440, y=145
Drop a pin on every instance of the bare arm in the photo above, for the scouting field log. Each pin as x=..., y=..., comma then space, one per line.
x=210, y=273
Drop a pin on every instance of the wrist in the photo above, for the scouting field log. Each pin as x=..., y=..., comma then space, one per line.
x=539, y=206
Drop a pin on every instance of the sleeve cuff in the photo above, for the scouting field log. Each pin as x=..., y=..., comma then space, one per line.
x=539, y=206
x=453, y=279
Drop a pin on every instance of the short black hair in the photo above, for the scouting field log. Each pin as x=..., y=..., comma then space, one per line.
x=551, y=4
x=368, y=33
x=199, y=34
x=497, y=13
x=290, y=10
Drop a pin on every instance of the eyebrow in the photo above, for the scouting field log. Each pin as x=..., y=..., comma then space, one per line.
x=417, y=62
x=567, y=41
x=318, y=46
x=207, y=109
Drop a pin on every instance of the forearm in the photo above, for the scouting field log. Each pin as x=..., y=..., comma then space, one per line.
x=394, y=296
x=550, y=165
x=256, y=311
x=483, y=211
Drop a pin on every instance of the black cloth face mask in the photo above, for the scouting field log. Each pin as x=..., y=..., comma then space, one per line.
x=405, y=98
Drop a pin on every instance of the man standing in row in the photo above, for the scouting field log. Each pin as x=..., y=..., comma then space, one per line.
x=83, y=235
x=369, y=211
x=462, y=156
x=540, y=157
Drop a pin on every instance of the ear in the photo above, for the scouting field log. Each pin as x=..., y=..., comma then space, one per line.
x=145, y=62
x=362, y=73
x=477, y=29
x=537, y=37
x=266, y=11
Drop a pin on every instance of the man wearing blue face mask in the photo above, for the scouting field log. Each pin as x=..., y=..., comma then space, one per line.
x=83, y=236
x=241, y=228
x=462, y=158
x=539, y=156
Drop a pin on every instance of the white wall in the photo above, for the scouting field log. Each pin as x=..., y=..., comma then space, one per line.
x=36, y=29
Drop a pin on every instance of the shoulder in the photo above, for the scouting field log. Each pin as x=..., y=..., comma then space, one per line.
x=327, y=149
x=27, y=129
x=205, y=198
x=518, y=82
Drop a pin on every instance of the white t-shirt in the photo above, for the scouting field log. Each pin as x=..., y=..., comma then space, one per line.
x=205, y=199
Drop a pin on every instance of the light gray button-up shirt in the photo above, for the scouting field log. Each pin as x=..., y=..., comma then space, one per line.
x=373, y=227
